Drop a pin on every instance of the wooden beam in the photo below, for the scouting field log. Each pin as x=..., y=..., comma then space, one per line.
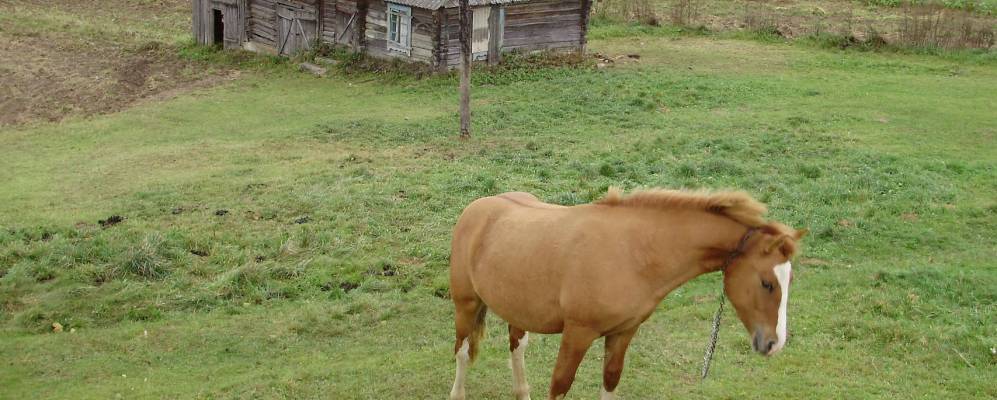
x=276, y=29
x=586, y=13
x=320, y=22
x=495, y=35
x=361, y=23
x=243, y=21
x=439, y=46
x=465, y=69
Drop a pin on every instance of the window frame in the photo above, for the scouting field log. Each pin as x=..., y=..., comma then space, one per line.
x=402, y=29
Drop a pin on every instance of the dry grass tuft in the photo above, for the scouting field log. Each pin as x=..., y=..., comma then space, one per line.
x=686, y=12
x=639, y=11
x=933, y=25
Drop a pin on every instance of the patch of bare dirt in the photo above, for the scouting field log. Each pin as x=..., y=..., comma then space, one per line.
x=54, y=66
x=43, y=80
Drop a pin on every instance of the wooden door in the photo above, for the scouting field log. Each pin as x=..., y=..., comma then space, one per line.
x=232, y=35
x=296, y=30
x=346, y=23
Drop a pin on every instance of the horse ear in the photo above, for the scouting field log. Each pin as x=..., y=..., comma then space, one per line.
x=801, y=233
x=776, y=244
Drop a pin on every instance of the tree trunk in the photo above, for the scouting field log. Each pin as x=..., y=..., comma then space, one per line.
x=465, y=69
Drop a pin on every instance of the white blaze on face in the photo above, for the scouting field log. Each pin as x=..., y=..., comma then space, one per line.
x=782, y=273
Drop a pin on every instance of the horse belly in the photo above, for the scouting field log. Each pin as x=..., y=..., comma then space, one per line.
x=530, y=305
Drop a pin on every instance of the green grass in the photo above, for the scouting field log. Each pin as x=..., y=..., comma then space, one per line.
x=888, y=158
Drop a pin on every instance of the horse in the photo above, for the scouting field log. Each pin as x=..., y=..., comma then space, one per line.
x=600, y=269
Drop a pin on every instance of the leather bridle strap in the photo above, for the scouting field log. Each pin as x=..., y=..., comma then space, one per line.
x=739, y=250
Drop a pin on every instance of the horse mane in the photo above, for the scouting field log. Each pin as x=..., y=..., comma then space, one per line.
x=736, y=205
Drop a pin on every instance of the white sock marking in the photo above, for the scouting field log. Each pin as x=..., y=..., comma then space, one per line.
x=463, y=359
x=782, y=273
x=607, y=395
x=518, y=362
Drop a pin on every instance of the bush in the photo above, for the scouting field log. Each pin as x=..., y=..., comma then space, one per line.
x=638, y=11
x=932, y=25
x=685, y=12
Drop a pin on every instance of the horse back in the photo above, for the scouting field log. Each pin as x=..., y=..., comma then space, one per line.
x=474, y=222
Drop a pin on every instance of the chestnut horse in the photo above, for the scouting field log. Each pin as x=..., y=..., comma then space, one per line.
x=599, y=270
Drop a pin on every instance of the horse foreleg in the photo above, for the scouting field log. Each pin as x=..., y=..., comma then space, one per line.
x=518, y=339
x=616, y=349
x=575, y=341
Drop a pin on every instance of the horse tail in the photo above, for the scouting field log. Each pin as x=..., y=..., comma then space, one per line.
x=477, y=331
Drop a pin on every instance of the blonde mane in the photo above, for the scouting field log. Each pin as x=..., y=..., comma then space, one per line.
x=738, y=206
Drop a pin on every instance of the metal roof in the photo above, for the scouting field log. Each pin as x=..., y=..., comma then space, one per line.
x=437, y=4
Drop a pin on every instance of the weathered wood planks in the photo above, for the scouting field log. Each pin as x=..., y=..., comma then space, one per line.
x=527, y=26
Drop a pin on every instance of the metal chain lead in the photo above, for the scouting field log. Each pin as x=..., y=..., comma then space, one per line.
x=714, y=337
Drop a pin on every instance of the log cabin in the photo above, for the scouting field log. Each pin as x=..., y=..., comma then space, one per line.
x=425, y=31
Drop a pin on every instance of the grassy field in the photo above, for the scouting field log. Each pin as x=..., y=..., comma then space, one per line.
x=286, y=236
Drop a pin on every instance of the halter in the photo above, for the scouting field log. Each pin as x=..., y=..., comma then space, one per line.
x=715, y=335
x=739, y=250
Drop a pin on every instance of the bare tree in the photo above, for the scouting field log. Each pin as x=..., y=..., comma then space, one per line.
x=465, y=69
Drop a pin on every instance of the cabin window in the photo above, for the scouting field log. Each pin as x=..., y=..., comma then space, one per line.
x=400, y=28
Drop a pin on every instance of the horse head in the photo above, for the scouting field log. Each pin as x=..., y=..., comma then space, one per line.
x=757, y=284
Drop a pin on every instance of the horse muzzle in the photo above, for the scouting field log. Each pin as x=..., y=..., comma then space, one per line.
x=764, y=344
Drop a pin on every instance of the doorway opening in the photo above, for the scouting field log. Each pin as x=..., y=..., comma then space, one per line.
x=219, y=37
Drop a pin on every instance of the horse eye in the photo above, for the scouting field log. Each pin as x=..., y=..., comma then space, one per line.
x=767, y=285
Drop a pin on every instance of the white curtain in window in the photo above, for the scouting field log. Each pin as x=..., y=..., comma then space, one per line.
x=405, y=30
x=399, y=28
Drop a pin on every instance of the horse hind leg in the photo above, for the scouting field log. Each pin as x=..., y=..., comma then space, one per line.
x=518, y=340
x=469, y=321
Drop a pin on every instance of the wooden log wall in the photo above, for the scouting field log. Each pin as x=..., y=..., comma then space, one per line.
x=263, y=22
x=545, y=25
x=327, y=21
x=423, y=30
